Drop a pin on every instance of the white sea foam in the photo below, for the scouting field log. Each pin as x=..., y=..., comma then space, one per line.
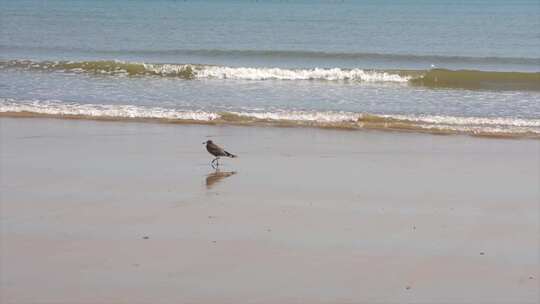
x=425, y=121
x=471, y=125
x=95, y=110
x=296, y=74
x=167, y=69
x=466, y=121
x=247, y=73
x=322, y=117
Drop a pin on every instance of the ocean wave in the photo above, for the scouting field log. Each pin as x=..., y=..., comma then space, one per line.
x=193, y=71
x=300, y=74
x=434, y=78
x=436, y=124
x=486, y=80
x=301, y=54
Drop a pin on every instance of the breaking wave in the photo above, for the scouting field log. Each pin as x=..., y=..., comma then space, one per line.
x=436, y=124
x=193, y=71
x=435, y=78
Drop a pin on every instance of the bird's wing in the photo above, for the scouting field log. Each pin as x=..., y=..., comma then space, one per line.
x=216, y=150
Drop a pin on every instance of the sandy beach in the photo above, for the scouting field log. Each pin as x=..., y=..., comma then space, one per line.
x=108, y=212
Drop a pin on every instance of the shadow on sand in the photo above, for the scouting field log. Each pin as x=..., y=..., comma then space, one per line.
x=217, y=176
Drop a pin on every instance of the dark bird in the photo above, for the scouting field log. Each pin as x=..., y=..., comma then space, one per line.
x=217, y=151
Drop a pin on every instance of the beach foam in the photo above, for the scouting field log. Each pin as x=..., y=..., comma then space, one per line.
x=481, y=126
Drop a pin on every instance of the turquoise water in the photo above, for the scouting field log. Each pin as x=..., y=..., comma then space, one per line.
x=316, y=61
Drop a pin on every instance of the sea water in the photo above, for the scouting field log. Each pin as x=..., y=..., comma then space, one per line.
x=416, y=65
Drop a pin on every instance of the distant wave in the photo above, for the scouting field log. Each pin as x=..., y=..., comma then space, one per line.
x=436, y=124
x=440, y=59
x=435, y=78
x=304, y=54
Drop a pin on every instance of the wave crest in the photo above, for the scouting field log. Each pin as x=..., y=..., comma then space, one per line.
x=435, y=78
x=300, y=74
x=193, y=71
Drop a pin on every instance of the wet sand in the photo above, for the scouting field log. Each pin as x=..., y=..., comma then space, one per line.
x=115, y=212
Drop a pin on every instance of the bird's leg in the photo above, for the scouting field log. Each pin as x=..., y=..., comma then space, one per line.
x=217, y=161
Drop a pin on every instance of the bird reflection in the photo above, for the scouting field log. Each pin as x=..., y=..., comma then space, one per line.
x=215, y=177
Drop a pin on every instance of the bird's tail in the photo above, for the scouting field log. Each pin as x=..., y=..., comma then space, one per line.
x=230, y=155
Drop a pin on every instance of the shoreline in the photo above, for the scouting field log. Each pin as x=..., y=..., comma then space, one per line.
x=369, y=123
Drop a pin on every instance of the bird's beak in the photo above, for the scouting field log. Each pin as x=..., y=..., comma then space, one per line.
x=204, y=143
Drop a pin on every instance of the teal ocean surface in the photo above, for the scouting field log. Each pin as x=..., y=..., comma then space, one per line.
x=416, y=65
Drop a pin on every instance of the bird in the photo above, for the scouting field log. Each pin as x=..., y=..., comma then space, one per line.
x=216, y=151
